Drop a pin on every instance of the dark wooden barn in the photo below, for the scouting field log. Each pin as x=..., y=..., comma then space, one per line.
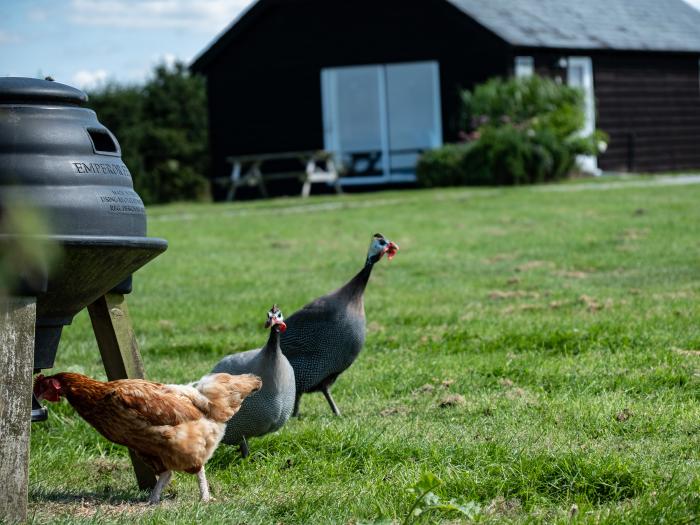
x=377, y=81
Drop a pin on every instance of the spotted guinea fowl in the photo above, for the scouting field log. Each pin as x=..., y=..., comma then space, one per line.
x=324, y=337
x=269, y=408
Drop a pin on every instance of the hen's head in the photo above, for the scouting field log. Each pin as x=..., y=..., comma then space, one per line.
x=380, y=246
x=48, y=388
x=275, y=318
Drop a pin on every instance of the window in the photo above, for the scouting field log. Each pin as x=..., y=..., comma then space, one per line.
x=524, y=67
x=377, y=119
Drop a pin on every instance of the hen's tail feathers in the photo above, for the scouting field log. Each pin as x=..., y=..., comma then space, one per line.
x=226, y=393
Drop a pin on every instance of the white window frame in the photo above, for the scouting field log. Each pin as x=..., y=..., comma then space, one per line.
x=588, y=163
x=524, y=66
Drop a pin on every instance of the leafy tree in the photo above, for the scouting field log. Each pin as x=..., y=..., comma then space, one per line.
x=162, y=129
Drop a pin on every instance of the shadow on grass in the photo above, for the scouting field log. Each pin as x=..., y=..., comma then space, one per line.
x=104, y=497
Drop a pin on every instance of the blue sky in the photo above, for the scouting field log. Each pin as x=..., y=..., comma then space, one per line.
x=85, y=42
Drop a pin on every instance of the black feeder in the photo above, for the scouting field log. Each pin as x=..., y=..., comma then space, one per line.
x=58, y=161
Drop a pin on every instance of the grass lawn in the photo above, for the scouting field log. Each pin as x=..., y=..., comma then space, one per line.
x=566, y=320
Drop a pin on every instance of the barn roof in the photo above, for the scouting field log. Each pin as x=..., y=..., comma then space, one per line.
x=652, y=25
x=631, y=25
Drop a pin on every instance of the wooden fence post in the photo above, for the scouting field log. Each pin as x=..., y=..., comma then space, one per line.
x=17, y=320
x=120, y=355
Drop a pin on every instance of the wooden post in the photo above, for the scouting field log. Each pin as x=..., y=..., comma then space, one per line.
x=17, y=319
x=120, y=355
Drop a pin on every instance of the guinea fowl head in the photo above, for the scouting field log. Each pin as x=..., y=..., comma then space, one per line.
x=48, y=388
x=380, y=246
x=275, y=318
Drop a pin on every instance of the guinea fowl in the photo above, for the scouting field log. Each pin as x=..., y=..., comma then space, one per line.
x=324, y=337
x=269, y=409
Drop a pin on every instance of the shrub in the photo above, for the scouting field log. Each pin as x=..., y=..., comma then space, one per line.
x=518, y=131
x=442, y=166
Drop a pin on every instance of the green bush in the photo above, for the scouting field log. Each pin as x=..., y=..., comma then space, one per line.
x=442, y=166
x=162, y=129
x=518, y=131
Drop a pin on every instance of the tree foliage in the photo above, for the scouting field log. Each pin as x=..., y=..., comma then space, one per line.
x=162, y=129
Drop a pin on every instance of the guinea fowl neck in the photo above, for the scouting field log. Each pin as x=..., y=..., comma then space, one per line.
x=273, y=342
x=356, y=286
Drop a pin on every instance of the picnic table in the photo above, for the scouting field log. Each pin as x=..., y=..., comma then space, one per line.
x=309, y=167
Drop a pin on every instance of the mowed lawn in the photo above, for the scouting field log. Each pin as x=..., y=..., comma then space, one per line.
x=567, y=320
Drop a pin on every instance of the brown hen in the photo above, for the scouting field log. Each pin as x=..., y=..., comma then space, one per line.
x=171, y=427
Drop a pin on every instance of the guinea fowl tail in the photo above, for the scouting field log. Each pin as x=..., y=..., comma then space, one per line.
x=227, y=392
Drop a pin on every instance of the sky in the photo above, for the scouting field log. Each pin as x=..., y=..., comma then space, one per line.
x=85, y=43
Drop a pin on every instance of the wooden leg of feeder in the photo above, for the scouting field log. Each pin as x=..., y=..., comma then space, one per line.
x=17, y=319
x=120, y=355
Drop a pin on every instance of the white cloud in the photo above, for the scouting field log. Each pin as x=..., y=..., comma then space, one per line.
x=9, y=38
x=38, y=15
x=85, y=79
x=196, y=15
x=694, y=3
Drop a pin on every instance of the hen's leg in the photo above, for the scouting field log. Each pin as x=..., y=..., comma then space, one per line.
x=244, y=448
x=326, y=392
x=163, y=480
x=203, y=485
x=295, y=412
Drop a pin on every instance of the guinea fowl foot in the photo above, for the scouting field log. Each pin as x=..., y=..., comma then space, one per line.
x=295, y=412
x=329, y=398
x=244, y=448
x=163, y=480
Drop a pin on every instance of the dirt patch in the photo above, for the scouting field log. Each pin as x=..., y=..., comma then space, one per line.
x=634, y=234
x=528, y=307
x=500, y=257
x=573, y=274
x=425, y=389
x=375, y=327
x=498, y=295
x=504, y=507
x=623, y=415
x=681, y=351
x=532, y=265
x=394, y=411
x=594, y=305
x=452, y=400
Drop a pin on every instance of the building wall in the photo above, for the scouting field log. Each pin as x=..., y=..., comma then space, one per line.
x=265, y=89
x=649, y=104
x=650, y=107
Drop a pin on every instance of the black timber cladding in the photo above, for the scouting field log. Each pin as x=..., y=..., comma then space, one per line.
x=265, y=88
x=264, y=72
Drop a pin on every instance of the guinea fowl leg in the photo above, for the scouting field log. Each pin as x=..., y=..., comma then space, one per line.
x=203, y=485
x=163, y=480
x=295, y=412
x=244, y=448
x=326, y=392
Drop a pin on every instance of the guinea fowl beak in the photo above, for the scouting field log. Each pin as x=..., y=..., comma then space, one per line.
x=391, y=250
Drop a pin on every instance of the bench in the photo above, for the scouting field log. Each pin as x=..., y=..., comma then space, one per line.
x=308, y=167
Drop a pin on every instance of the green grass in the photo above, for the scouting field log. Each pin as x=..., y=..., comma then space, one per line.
x=568, y=321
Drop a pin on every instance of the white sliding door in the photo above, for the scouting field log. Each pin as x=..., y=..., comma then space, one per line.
x=413, y=95
x=378, y=118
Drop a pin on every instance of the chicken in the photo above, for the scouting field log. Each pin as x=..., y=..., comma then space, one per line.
x=171, y=427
